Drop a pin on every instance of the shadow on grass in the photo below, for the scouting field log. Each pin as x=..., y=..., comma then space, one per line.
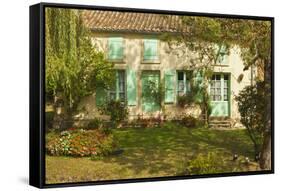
x=157, y=151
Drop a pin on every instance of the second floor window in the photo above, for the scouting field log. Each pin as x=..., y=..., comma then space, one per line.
x=115, y=48
x=222, y=55
x=150, y=50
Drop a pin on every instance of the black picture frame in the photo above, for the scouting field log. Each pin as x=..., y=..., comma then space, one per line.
x=37, y=98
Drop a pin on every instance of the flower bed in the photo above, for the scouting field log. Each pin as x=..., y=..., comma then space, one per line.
x=80, y=143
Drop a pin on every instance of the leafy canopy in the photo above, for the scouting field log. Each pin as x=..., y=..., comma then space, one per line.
x=74, y=67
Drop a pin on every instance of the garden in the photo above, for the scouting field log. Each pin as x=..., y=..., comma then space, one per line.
x=78, y=155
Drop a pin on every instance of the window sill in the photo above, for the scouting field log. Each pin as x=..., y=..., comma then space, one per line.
x=221, y=65
x=218, y=101
x=150, y=61
x=119, y=61
x=169, y=103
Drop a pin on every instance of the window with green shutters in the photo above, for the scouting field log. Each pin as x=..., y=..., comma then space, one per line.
x=115, y=48
x=116, y=92
x=150, y=50
x=183, y=82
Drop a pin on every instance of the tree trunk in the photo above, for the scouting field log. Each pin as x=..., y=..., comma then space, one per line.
x=59, y=113
x=265, y=160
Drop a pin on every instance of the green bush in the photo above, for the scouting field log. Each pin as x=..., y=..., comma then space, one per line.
x=49, y=116
x=94, y=124
x=116, y=110
x=185, y=100
x=189, y=121
x=107, y=130
x=252, y=108
x=204, y=164
x=79, y=143
x=108, y=146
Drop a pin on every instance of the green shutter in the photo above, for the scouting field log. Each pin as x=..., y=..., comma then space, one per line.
x=170, y=86
x=101, y=96
x=115, y=46
x=131, y=87
x=150, y=49
x=223, y=57
x=199, y=85
x=117, y=85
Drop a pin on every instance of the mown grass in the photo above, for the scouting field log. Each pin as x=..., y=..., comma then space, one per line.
x=153, y=152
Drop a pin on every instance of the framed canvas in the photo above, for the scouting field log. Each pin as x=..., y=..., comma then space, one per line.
x=128, y=95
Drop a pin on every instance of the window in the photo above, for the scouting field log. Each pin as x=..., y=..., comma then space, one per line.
x=219, y=87
x=118, y=90
x=115, y=48
x=222, y=55
x=216, y=88
x=183, y=82
x=150, y=50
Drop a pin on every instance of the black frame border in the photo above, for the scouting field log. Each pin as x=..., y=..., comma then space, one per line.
x=37, y=91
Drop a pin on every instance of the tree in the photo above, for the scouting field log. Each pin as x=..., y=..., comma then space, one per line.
x=253, y=37
x=251, y=105
x=74, y=68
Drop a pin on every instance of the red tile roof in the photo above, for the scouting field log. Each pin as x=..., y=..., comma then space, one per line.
x=115, y=21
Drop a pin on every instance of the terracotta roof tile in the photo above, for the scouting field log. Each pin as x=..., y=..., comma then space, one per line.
x=99, y=20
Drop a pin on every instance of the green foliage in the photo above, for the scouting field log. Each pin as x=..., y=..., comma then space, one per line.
x=170, y=125
x=79, y=143
x=74, y=68
x=189, y=121
x=210, y=163
x=155, y=90
x=252, y=107
x=253, y=36
x=186, y=99
x=117, y=110
x=206, y=164
x=49, y=118
x=107, y=130
x=94, y=124
x=107, y=146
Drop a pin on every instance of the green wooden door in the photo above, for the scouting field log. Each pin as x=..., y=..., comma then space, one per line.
x=150, y=89
x=219, y=92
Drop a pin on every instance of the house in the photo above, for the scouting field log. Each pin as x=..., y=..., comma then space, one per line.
x=131, y=40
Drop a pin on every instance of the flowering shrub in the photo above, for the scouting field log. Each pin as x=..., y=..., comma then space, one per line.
x=80, y=143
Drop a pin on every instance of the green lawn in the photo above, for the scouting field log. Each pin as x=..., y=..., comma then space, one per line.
x=154, y=152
